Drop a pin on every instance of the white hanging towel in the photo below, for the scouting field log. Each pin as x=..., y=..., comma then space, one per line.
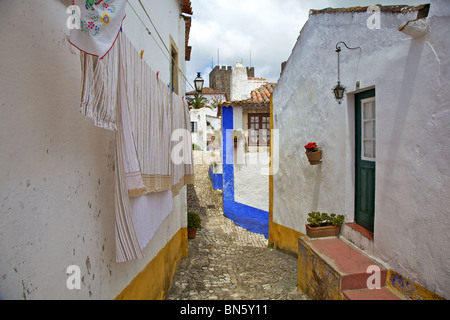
x=99, y=88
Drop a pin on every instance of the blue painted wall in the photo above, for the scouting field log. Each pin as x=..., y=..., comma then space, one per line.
x=252, y=219
x=216, y=180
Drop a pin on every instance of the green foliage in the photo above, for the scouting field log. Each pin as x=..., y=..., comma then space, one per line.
x=317, y=219
x=336, y=220
x=198, y=102
x=194, y=221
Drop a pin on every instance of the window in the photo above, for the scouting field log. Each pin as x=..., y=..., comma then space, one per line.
x=173, y=66
x=258, y=129
x=368, y=129
x=193, y=126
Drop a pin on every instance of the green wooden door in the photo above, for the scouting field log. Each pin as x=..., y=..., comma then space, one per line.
x=365, y=159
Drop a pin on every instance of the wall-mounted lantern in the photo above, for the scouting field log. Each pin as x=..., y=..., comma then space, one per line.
x=198, y=82
x=339, y=90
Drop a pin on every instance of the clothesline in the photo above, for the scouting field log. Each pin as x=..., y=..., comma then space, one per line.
x=169, y=57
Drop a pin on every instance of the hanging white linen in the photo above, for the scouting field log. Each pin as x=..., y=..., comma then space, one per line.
x=147, y=115
x=121, y=92
x=181, y=145
x=99, y=88
x=155, y=114
x=148, y=212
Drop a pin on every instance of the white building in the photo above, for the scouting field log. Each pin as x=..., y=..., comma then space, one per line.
x=241, y=84
x=57, y=169
x=400, y=79
x=205, y=123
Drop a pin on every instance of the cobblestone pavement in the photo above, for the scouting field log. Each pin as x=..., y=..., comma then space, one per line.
x=227, y=262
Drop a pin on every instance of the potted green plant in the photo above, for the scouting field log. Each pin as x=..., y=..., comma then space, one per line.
x=313, y=153
x=194, y=223
x=324, y=225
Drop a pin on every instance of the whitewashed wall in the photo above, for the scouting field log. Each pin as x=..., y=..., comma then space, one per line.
x=251, y=187
x=215, y=124
x=56, y=168
x=412, y=82
x=241, y=85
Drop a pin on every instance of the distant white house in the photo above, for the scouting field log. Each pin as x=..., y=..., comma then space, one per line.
x=386, y=161
x=205, y=123
x=241, y=84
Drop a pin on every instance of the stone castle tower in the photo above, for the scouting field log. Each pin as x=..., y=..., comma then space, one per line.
x=220, y=79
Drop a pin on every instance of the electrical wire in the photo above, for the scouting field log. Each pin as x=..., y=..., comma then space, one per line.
x=139, y=18
x=154, y=27
x=169, y=57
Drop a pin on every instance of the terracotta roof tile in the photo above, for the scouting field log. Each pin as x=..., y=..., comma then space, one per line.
x=259, y=96
x=188, y=48
x=186, y=7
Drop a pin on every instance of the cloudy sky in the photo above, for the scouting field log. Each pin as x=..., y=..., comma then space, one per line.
x=266, y=30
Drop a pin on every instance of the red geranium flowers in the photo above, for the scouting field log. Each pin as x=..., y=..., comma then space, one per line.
x=311, y=147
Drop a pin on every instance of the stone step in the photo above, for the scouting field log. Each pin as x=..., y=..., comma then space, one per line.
x=375, y=294
x=348, y=261
x=339, y=271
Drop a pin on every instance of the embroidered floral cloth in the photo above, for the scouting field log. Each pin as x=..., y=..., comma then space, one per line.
x=100, y=23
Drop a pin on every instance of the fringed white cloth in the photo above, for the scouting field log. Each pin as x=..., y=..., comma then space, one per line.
x=156, y=115
x=99, y=87
x=121, y=92
x=100, y=23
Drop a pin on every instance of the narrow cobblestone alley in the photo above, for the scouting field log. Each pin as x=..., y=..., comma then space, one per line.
x=227, y=262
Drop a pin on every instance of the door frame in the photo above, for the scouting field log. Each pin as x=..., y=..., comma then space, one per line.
x=365, y=220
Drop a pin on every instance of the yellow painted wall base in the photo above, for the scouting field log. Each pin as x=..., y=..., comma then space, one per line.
x=316, y=278
x=283, y=238
x=410, y=289
x=155, y=281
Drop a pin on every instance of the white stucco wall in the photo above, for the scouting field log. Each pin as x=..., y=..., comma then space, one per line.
x=215, y=124
x=199, y=137
x=251, y=186
x=412, y=82
x=56, y=168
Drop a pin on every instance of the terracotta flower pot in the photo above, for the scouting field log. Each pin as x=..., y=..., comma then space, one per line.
x=192, y=233
x=314, y=158
x=320, y=232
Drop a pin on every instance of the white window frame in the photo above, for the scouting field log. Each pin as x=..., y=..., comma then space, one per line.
x=374, y=139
